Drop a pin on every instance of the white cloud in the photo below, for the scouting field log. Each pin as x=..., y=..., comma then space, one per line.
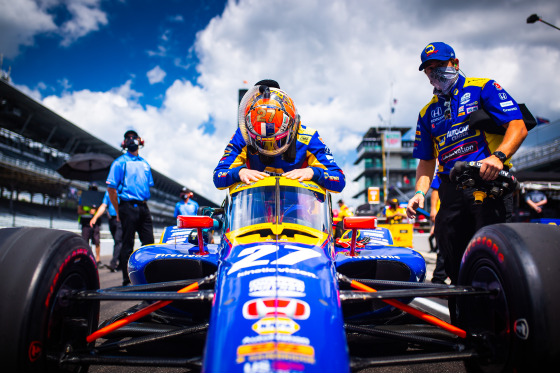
x=22, y=20
x=156, y=75
x=341, y=61
x=86, y=17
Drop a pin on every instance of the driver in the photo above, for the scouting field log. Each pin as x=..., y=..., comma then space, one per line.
x=271, y=138
x=443, y=133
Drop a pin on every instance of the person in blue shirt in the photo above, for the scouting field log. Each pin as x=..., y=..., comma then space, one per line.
x=187, y=206
x=128, y=184
x=443, y=134
x=114, y=226
x=271, y=139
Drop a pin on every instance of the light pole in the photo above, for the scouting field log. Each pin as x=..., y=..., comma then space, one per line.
x=534, y=18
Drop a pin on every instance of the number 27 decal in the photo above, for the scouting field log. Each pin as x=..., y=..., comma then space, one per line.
x=255, y=254
x=265, y=115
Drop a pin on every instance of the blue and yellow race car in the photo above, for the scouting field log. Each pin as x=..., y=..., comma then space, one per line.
x=275, y=295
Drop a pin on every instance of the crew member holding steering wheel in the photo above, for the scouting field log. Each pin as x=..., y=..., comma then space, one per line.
x=443, y=133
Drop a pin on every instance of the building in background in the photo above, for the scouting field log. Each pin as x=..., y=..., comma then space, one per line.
x=385, y=154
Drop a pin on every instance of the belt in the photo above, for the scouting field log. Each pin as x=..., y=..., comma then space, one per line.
x=137, y=202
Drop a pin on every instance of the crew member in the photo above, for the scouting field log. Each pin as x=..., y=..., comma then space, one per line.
x=186, y=206
x=90, y=232
x=343, y=212
x=443, y=133
x=115, y=228
x=270, y=138
x=394, y=212
x=128, y=184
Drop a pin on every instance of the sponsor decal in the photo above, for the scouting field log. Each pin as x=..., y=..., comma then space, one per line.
x=458, y=133
x=277, y=286
x=278, y=337
x=498, y=87
x=442, y=141
x=437, y=112
x=502, y=96
x=262, y=366
x=506, y=103
x=276, y=351
x=461, y=114
x=472, y=109
x=493, y=247
x=177, y=255
x=465, y=98
x=461, y=150
x=291, y=308
x=304, y=139
x=455, y=92
x=35, y=351
x=331, y=177
x=377, y=257
x=509, y=110
x=437, y=119
x=418, y=132
x=279, y=270
x=430, y=49
x=521, y=328
x=271, y=325
x=223, y=174
x=462, y=108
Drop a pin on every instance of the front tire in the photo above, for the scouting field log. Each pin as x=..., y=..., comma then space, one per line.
x=516, y=329
x=39, y=267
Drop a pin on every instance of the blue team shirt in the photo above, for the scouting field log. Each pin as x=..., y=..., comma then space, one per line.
x=131, y=176
x=110, y=207
x=190, y=208
x=310, y=152
x=451, y=139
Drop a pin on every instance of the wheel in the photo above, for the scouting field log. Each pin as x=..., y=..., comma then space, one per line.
x=516, y=329
x=38, y=268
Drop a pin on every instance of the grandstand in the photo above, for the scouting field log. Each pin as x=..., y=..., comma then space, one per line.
x=34, y=143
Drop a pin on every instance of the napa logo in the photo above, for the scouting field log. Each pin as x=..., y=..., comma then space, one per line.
x=430, y=49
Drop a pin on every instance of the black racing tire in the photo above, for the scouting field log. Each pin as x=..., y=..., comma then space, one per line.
x=37, y=268
x=517, y=329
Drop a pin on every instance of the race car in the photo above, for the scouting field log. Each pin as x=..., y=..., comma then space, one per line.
x=277, y=295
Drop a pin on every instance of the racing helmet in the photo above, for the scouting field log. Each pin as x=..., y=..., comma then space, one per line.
x=268, y=120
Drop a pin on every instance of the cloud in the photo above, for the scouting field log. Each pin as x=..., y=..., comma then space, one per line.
x=86, y=17
x=22, y=20
x=156, y=75
x=341, y=61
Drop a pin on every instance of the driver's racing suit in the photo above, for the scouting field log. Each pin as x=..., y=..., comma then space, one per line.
x=310, y=152
x=443, y=132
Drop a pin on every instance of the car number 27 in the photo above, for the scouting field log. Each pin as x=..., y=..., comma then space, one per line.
x=253, y=256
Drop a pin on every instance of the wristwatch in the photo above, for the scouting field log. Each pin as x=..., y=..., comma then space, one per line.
x=501, y=156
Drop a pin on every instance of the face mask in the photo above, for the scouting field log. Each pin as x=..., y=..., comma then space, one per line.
x=443, y=78
x=131, y=144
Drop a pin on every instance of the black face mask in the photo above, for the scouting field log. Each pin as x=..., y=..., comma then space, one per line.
x=131, y=144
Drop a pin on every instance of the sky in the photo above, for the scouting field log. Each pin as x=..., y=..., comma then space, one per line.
x=171, y=69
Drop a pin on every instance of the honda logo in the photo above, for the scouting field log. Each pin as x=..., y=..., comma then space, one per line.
x=436, y=112
x=502, y=95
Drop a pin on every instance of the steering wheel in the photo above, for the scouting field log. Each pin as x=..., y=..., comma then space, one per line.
x=467, y=175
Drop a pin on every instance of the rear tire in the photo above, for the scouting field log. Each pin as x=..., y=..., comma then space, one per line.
x=518, y=328
x=38, y=267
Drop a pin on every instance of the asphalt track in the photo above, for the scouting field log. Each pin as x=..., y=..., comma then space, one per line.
x=437, y=307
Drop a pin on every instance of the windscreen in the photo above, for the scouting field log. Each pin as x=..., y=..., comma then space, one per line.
x=296, y=205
